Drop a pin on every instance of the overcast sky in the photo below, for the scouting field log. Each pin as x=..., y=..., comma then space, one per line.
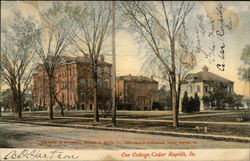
x=130, y=55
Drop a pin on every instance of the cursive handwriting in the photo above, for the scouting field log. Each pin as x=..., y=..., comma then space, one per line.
x=220, y=35
x=37, y=154
x=201, y=25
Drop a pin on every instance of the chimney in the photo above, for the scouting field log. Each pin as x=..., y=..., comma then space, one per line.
x=205, y=69
x=152, y=78
x=130, y=77
x=102, y=58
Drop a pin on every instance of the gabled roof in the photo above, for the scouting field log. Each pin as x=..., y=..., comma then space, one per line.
x=136, y=79
x=205, y=75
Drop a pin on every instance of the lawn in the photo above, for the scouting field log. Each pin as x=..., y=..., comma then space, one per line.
x=214, y=116
x=86, y=118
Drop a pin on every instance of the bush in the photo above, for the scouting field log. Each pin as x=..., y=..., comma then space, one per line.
x=184, y=103
x=191, y=103
x=157, y=106
x=196, y=103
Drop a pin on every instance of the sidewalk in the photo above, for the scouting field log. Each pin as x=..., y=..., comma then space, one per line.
x=168, y=121
x=169, y=133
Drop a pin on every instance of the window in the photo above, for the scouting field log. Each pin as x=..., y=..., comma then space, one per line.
x=91, y=97
x=65, y=84
x=63, y=98
x=198, y=89
x=99, y=70
x=90, y=83
x=99, y=83
x=82, y=82
x=206, y=88
x=106, y=70
x=190, y=89
x=182, y=90
x=106, y=83
x=69, y=72
x=82, y=96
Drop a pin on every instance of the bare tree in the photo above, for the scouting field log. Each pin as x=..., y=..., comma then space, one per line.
x=51, y=41
x=113, y=65
x=18, y=60
x=93, y=21
x=159, y=25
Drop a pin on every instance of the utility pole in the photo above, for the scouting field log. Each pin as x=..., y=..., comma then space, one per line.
x=113, y=67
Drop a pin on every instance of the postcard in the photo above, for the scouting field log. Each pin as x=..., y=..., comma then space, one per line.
x=125, y=80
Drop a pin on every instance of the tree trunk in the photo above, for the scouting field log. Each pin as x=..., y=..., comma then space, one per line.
x=60, y=105
x=62, y=111
x=14, y=102
x=19, y=106
x=51, y=100
x=34, y=111
x=113, y=66
x=178, y=94
x=96, y=113
x=174, y=105
x=19, y=101
x=173, y=83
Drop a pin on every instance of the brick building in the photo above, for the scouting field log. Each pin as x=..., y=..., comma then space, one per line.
x=74, y=84
x=136, y=92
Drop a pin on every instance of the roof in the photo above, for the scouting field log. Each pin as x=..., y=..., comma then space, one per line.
x=74, y=59
x=206, y=76
x=81, y=59
x=137, y=79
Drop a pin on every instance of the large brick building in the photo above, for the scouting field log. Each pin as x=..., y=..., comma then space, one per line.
x=74, y=84
x=137, y=92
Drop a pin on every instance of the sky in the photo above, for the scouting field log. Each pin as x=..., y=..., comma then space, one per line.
x=131, y=55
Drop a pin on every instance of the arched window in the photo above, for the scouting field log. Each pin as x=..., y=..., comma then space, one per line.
x=106, y=70
x=82, y=82
x=206, y=88
x=106, y=83
x=82, y=96
x=190, y=89
x=198, y=89
x=90, y=83
x=99, y=70
x=99, y=83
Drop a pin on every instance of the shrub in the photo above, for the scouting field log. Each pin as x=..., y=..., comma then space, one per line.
x=184, y=103
x=196, y=103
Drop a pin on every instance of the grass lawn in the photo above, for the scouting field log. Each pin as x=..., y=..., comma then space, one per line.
x=214, y=116
x=229, y=129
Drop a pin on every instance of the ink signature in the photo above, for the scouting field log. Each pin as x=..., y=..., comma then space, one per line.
x=38, y=154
